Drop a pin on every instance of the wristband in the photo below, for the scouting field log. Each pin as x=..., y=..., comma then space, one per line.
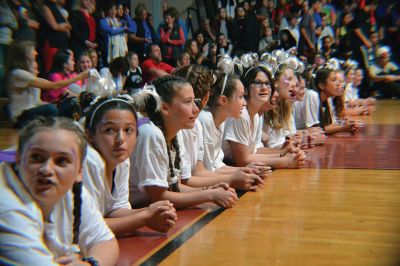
x=91, y=260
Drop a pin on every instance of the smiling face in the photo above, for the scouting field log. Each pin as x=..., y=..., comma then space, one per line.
x=50, y=164
x=85, y=63
x=302, y=90
x=115, y=135
x=182, y=112
x=260, y=89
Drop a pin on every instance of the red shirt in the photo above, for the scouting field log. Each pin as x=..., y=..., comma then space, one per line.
x=92, y=26
x=149, y=64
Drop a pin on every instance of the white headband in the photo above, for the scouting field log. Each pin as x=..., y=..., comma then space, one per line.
x=103, y=103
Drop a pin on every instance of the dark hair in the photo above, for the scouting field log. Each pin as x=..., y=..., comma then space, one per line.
x=149, y=48
x=85, y=98
x=166, y=88
x=199, y=77
x=217, y=87
x=102, y=106
x=60, y=59
x=130, y=54
x=119, y=65
x=321, y=76
x=109, y=5
x=48, y=123
x=52, y=123
x=251, y=74
x=171, y=11
x=188, y=43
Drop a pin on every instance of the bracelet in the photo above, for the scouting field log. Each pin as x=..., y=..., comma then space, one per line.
x=92, y=261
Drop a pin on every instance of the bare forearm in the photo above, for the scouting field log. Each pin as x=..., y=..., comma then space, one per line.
x=184, y=199
x=125, y=223
x=105, y=252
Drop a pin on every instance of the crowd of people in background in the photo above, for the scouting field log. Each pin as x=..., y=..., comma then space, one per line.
x=161, y=118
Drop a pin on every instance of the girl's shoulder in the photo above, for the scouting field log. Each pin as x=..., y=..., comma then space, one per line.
x=205, y=117
x=93, y=157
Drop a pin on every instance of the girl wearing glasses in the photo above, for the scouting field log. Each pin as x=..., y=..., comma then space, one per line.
x=201, y=79
x=242, y=140
x=157, y=165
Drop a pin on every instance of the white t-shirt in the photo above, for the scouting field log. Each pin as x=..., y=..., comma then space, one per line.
x=277, y=136
x=95, y=181
x=150, y=163
x=350, y=92
x=23, y=230
x=92, y=230
x=21, y=224
x=307, y=111
x=239, y=130
x=193, y=141
x=212, y=136
x=21, y=96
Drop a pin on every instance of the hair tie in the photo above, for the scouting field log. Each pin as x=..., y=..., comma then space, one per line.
x=224, y=84
x=103, y=103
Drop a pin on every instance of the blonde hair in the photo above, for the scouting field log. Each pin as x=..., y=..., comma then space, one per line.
x=281, y=116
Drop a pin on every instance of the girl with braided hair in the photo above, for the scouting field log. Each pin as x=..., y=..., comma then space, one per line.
x=111, y=128
x=157, y=164
x=244, y=178
x=46, y=216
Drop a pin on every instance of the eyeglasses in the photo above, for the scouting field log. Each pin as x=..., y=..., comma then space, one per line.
x=198, y=103
x=258, y=84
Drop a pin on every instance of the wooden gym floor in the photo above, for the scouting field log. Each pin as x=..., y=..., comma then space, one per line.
x=343, y=209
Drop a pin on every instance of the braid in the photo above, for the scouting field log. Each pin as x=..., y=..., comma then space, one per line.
x=77, y=190
x=324, y=117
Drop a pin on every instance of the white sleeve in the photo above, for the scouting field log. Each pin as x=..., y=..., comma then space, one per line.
x=186, y=172
x=21, y=240
x=21, y=78
x=93, y=179
x=122, y=186
x=237, y=130
x=200, y=143
x=311, y=108
x=93, y=228
x=151, y=159
x=259, y=129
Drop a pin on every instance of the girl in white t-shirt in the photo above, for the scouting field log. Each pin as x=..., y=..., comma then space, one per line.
x=23, y=84
x=46, y=216
x=326, y=82
x=354, y=105
x=201, y=78
x=242, y=138
x=280, y=123
x=313, y=135
x=226, y=100
x=111, y=128
x=156, y=163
